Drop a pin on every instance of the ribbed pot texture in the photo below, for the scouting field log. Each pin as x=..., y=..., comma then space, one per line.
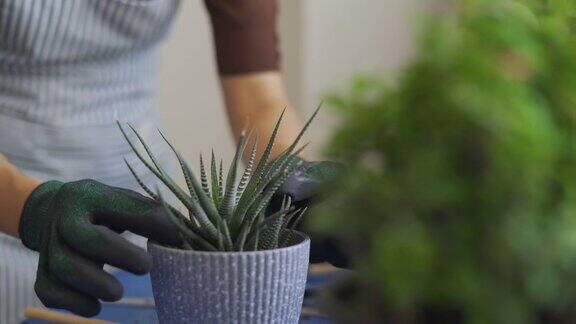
x=230, y=287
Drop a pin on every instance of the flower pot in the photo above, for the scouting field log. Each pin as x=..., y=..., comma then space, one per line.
x=230, y=287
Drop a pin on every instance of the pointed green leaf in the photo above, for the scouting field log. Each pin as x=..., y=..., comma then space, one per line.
x=147, y=149
x=196, y=212
x=215, y=183
x=220, y=237
x=158, y=172
x=140, y=182
x=220, y=182
x=289, y=229
x=229, y=201
x=253, y=237
x=258, y=172
x=283, y=213
x=195, y=188
x=304, y=129
x=148, y=190
x=204, y=178
x=186, y=175
x=271, y=234
x=247, y=171
x=186, y=231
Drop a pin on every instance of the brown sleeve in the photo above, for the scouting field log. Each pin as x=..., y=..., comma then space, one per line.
x=245, y=35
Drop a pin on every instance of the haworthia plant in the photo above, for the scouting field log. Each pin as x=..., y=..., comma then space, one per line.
x=226, y=213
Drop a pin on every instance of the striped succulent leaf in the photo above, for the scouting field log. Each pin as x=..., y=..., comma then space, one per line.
x=221, y=181
x=229, y=200
x=215, y=182
x=149, y=191
x=247, y=172
x=204, y=178
x=290, y=223
x=196, y=212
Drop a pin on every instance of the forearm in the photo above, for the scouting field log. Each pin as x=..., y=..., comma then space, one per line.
x=15, y=188
x=248, y=57
x=256, y=101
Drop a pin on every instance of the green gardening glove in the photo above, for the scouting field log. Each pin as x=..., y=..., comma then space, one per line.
x=307, y=179
x=75, y=227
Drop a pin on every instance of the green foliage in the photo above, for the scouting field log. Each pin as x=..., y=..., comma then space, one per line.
x=229, y=216
x=462, y=185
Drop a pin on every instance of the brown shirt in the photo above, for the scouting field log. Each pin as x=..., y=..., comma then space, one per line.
x=245, y=35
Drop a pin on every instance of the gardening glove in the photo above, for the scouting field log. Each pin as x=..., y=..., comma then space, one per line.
x=303, y=186
x=75, y=227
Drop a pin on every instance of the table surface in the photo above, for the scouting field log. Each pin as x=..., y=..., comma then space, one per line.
x=139, y=288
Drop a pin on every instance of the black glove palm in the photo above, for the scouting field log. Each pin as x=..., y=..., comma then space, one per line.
x=75, y=227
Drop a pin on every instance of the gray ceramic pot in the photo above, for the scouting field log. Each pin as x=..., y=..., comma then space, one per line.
x=230, y=287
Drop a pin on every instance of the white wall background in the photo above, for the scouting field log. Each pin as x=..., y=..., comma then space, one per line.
x=325, y=43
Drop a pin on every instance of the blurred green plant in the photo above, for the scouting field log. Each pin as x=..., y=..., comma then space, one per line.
x=461, y=195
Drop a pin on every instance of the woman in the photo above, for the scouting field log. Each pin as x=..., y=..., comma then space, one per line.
x=68, y=70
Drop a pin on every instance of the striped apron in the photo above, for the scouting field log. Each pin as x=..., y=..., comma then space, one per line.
x=68, y=70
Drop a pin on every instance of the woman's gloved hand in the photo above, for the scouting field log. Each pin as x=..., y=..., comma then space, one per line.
x=303, y=186
x=75, y=227
x=306, y=180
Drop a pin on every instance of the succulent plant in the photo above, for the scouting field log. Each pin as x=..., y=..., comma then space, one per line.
x=229, y=214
